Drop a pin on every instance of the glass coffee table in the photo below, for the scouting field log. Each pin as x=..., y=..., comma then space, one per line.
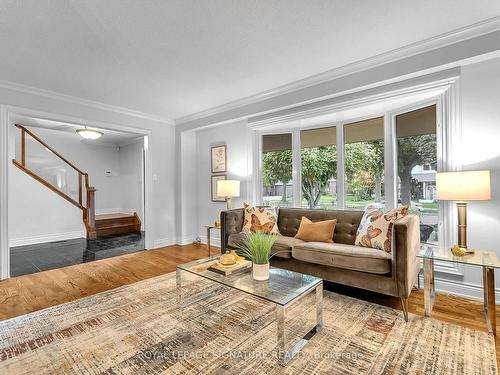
x=487, y=260
x=282, y=289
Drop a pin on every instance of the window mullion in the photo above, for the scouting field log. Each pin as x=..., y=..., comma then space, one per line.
x=296, y=169
x=257, y=167
x=340, y=166
x=390, y=160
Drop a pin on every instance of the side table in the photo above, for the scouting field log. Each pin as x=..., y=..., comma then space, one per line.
x=209, y=229
x=487, y=260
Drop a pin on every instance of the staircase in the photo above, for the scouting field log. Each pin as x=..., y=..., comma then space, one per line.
x=96, y=226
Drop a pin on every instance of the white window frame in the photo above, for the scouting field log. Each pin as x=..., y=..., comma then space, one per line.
x=341, y=153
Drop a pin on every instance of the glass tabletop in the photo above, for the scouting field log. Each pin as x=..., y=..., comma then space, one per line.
x=478, y=258
x=282, y=287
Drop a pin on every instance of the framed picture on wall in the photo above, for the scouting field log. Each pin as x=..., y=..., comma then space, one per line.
x=219, y=159
x=216, y=178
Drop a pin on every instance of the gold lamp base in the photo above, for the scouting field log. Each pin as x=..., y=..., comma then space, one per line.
x=462, y=229
x=462, y=224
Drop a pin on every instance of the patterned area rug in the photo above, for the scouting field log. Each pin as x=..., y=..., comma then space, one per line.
x=139, y=329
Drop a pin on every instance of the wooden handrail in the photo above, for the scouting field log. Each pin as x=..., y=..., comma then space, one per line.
x=47, y=184
x=89, y=209
x=49, y=148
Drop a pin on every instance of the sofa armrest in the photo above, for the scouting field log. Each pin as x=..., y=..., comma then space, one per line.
x=231, y=223
x=406, y=265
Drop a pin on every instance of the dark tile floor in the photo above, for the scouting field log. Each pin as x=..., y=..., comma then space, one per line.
x=46, y=256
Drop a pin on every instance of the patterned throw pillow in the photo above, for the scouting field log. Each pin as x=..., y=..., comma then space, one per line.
x=375, y=229
x=260, y=219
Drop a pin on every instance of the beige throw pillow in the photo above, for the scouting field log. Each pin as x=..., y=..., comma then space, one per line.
x=375, y=229
x=321, y=231
x=260, y=219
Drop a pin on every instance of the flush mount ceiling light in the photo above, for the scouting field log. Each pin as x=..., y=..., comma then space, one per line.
x=89, y=133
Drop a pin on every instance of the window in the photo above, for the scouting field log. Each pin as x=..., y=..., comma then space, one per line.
x=412, y=162
x=277, y=170
x=319, y=168
x=416, y=166
x=364, y=163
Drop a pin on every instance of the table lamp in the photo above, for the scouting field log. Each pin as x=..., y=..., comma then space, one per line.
x=463, y=187
x=228, y=189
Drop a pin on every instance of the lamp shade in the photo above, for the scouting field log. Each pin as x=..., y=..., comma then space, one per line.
x=89, y=133
x=228, y=188
x=463, y=186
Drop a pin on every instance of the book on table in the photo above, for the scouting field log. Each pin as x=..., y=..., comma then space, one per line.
x=239, y=266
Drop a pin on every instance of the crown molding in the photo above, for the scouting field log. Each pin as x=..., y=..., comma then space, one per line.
x=86, y=102
x=442, y=40
x=431, y=82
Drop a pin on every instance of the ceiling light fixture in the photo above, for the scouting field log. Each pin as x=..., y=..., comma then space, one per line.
x=89, y=133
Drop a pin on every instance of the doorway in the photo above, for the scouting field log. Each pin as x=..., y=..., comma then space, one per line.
x=45, y=231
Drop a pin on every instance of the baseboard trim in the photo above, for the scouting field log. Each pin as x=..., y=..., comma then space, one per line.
x=163, y=242
x=214, y=241
x=186, y=240
x=467, y=290
x=46, y=238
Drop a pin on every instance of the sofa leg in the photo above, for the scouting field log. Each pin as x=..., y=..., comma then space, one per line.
x=404, y=305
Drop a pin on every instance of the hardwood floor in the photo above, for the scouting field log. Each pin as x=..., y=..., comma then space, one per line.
x=24, y=294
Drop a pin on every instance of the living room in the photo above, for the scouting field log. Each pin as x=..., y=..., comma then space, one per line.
x=356, y=193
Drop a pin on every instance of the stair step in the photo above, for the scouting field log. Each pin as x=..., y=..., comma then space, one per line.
x=121, y=229
x=113, y=216
x=106, y=223
x=116, y=225
x=103, y=221
x=111, y=224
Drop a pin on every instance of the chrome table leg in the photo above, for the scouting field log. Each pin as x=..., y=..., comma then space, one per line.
x=429, y=287
x=178, y=281
x=489, y=299
x=284, y=354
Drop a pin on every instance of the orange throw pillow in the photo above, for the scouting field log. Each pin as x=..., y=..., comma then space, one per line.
x=322, y=231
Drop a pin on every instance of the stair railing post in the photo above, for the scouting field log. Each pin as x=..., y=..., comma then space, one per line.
x=23, y=147
x=92, y=234
x=80, y=190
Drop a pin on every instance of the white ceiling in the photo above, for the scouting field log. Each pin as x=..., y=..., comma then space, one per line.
x=110, y=138
x=178, y=57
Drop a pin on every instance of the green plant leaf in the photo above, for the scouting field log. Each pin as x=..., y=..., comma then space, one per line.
x=257, y=247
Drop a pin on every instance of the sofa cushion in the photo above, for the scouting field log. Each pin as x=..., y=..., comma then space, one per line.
x=375, y=229
x=344, y=256
x=260, y=219
x=282, y=246
x=321, y=231
x=345, y=230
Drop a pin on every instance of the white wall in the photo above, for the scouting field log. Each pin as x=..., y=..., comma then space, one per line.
x=238, y=139
x=130, y=179
x=480, y=88
x=189, y=180
x=36, y=214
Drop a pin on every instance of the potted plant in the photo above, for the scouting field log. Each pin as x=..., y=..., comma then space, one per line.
x=257, y=248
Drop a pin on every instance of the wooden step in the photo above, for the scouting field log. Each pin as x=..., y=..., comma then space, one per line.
x=106, y=220
x=113, y=224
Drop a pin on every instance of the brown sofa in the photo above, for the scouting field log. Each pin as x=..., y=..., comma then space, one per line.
x=341, y=262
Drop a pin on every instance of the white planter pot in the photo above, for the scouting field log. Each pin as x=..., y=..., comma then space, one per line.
x=260, y=271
